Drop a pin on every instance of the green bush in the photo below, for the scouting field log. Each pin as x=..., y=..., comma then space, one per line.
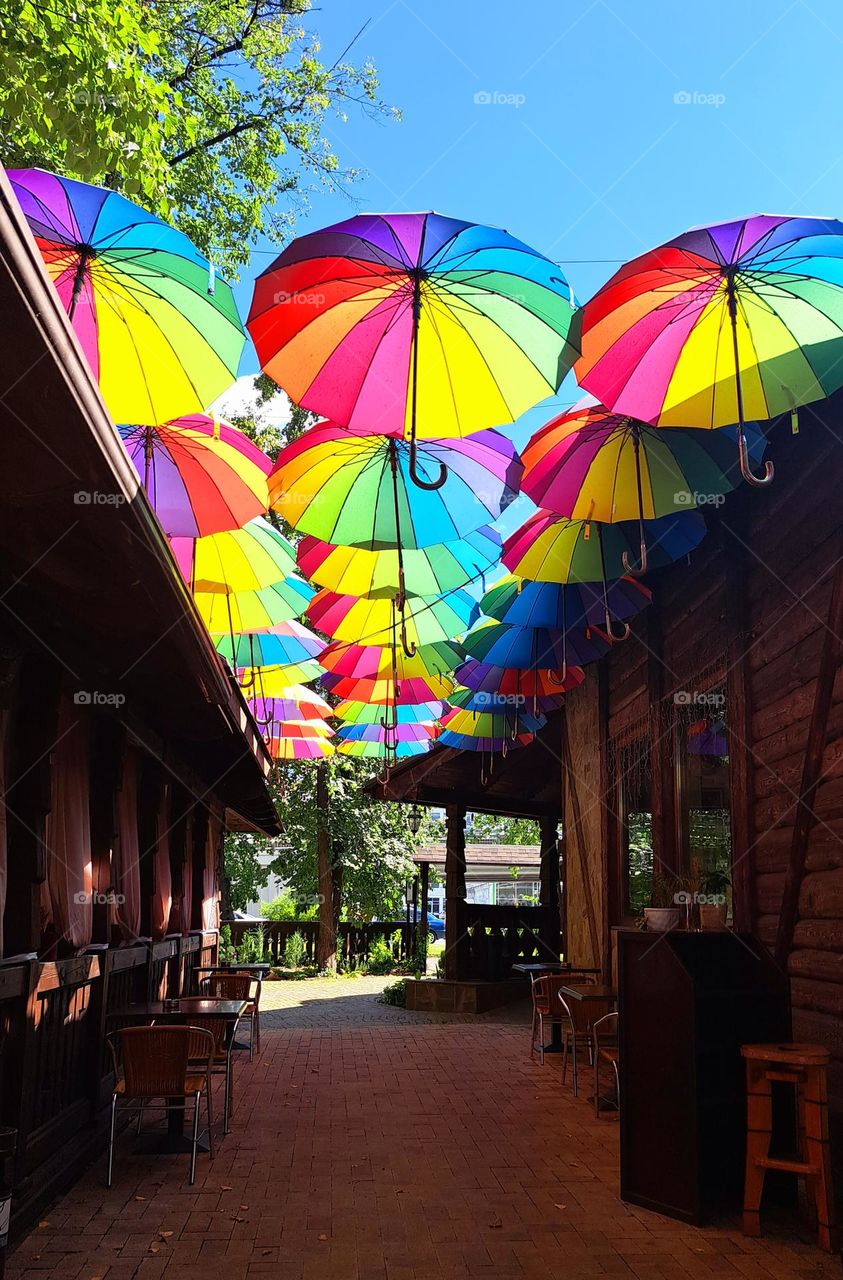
x=287, y=907
x=226, y=950
x=395, y=994
x=252, y=947
x=381, y=958
x=295, y=951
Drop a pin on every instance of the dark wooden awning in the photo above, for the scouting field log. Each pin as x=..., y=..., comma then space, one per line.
x=86, y=573
x=524, y=783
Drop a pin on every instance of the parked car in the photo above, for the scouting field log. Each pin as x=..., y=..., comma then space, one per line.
x=435, y=928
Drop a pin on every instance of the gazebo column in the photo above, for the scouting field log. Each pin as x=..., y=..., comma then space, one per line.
x=549, y=892
x=454, y=891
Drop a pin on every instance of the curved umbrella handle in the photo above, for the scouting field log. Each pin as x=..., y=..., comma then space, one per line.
x=407, y=645
x=625, y=629
x=757, y=482
x=419, y=480
x=636, y=571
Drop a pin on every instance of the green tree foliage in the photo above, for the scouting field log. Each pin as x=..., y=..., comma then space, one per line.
x=211, y=111
x=371, y=843
x=502, y=830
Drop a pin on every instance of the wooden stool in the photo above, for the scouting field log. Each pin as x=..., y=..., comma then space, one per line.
x=805, y=1067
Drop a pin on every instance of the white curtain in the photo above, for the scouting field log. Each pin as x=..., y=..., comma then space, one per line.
x=125, y=855
x=68, y=829
x=162, y=892
x=187, y=877
x=210, y=901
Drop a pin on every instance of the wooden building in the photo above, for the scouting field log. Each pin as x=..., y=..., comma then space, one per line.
x=126, y=749
x=713, y=736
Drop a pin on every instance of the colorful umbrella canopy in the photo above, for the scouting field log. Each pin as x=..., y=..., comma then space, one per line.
x=373, y=713
x=377, y=622
x=549, y=548
x=355, y=488
x=414, y=324
x=160, y=333
x=385, y=692
x=202, y=475
x=387, y=734
x=534, y=648
x=471, y=742
x=303, y=729
x=537, y=683
x=473, y=700
x=379, y=751
x=591, y=464
x=300, y=748
x=296, y=703
x=523, y=603
x=429, y=571
x=359, y=661
x=274, y=682
x=228, y=614
x=492, y=724
x=246, y=559
x=723, y=324
x=288, y=642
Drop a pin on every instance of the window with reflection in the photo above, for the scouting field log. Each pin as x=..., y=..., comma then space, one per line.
x=635, y=814
x=704, y=808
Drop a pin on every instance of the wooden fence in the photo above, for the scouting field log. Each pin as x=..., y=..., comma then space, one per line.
x=55, y=1068
x=354, y=943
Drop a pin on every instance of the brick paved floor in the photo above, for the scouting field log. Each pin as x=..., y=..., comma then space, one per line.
x=369, y=1144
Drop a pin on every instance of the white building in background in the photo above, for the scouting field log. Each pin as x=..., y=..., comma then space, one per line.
x=497, y=874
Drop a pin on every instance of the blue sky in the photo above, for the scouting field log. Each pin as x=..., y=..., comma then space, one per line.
x=611, y=126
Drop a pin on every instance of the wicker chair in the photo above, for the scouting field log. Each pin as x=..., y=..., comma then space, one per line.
x=221, y=1063
x=578, y=1018
x=604, y=1034
x=236, y=986
x=253, y=1010
x=162, y=1062
x=545, y=1009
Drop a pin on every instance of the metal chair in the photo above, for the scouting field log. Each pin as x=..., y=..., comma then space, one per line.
x=253, y=1008
x=221, y=1063
x=605, y=1049
x=171, y=1063
x=578, y=1018
x=236, y=986
x=545, y=1008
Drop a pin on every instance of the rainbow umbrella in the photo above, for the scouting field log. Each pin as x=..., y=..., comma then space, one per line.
x=537, y=683
x=414, y=325
x=373, y=713
x=534, y=648
x=355, y=488
x=591, y=464
x=489, y=745
x=285, y=644
x=503, y=725
x=285, y=748
x=295, y=703
x=160, y=332
x=226, y=613
x=429, y=571
x=236, y=560
x=736, y=321
x=274, y=682
x=387, y=733
x=385, y=692
x=379, y=751
x=549, y=548
x=376, y=622
x=523, y=603
x=358, y=661
x=476, y=700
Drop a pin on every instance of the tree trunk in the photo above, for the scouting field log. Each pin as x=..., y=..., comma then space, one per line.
x=326, y=947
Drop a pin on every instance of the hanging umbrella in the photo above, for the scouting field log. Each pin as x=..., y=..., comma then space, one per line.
x=300, y=748
x=414, y=325
x=355, y=488
x=387, y=733
x=288, y=642
x=534, y=648
x=549, y=548
x=386, y=692
x=160, y=332
x=372, y=713
x=591, y=464
x=369, y=662
x=228, y=613
x=237, y=560
x=492, y=745
x=200, y=474
x=737, y=321
x=379, y=750
x=537, y=683
x=523, y=603
x=295, y=703
x=430, y=571
x=376, y=622
x=505, y=725
x=274, y=682
x=471, y=700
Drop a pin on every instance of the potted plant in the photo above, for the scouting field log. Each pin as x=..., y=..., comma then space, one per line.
x=663, y=911
x=713, y=904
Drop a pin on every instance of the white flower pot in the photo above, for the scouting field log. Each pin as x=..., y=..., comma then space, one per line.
x=661, y=919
